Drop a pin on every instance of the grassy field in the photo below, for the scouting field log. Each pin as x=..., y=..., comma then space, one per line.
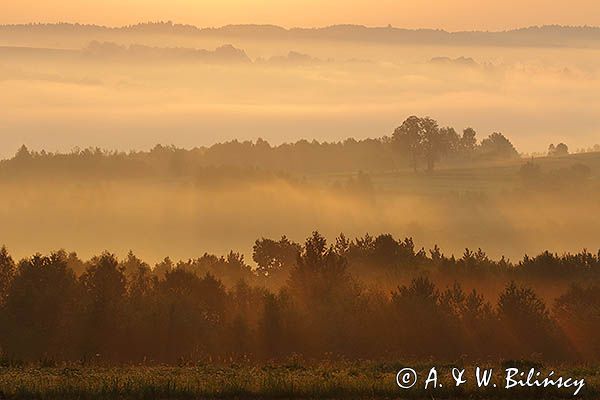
x=292, y=380
x=488, y=178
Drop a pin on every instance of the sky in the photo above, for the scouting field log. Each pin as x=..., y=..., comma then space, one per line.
x=451, y=15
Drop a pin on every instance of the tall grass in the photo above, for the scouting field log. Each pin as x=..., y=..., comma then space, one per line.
x=325, y=380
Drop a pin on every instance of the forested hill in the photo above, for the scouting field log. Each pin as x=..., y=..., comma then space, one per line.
x=418, y=144
x=551, y=35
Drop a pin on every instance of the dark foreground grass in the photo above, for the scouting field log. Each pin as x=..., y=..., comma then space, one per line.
x=336, y=380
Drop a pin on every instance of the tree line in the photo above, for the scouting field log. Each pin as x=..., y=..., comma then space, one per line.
x=57, y=307
x=417, y=142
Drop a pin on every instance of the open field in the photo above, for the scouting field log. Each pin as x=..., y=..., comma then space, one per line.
x=487, y=178
x=292, y=380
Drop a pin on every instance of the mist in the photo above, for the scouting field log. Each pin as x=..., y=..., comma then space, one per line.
x=185, y=220
x=132, y=91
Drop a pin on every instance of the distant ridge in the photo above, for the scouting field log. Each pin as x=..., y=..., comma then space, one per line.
x=549, y=35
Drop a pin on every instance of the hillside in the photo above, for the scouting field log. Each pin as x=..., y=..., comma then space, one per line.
x=540, y=36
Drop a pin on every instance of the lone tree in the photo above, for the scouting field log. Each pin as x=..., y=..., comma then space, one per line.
x=422, y=138
x=408, y=139
x=433, y=141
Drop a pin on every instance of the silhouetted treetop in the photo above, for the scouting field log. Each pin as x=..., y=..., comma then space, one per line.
x=339, y=300
x=422, y=140
x=417, y=141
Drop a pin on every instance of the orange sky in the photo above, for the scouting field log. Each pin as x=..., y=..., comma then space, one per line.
x=446, y=14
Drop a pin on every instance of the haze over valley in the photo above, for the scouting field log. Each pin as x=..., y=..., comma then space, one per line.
x=69, y=86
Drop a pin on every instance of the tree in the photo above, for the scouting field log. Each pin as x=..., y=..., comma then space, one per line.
x=560, y=149
x=418, y=304
x=497, y=146
x=271, y=327
x=578, y=313
x=7, y=273
x=141, y=313
x=324, y=293
x=163, y=267
x=273, y=257
x=468, y=141
x=452, y=139
x=42, y=309
x=23, y=154
x=132, y=264
x=526, y=320
x=422, y=137
x=478, y=323
x=434, y=143
x=105, y=289
x=408, y=139
x=192, y=311
x=520, y=307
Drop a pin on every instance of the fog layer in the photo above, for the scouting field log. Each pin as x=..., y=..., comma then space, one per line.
x=133, y=90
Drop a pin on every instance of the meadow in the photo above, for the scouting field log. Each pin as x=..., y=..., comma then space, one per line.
x=487, y=178
x=295, y=379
